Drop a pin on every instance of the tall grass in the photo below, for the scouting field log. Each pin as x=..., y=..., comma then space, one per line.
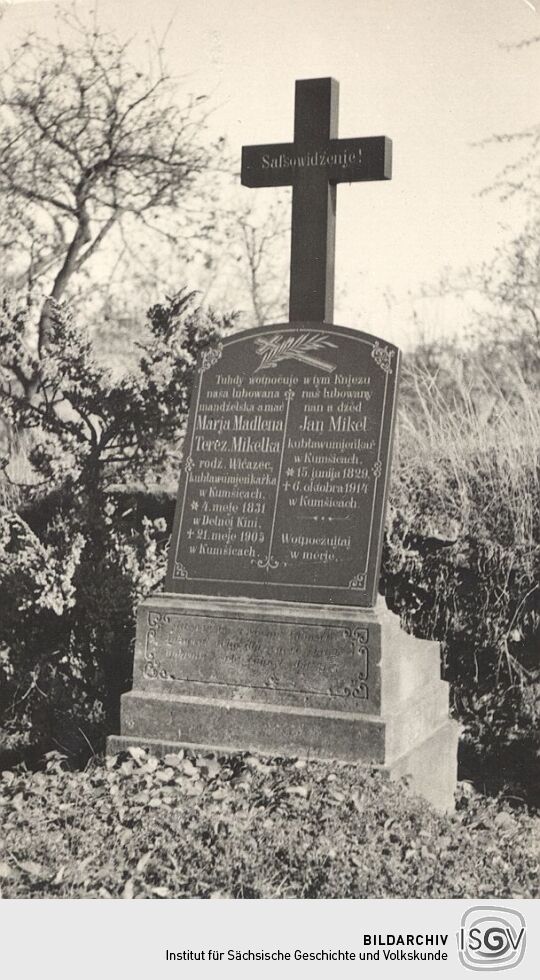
x=474, y=446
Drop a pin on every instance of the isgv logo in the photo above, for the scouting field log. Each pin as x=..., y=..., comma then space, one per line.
x=491, y=938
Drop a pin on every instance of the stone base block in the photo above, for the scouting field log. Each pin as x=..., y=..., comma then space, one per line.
x=282, y=730
x=430, y=768
x=291, y=679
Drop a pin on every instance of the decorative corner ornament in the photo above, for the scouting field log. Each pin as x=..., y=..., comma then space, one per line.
x=211, y=356
x=152, y=668
x=155, y=672
x=158, y=619
x=180, y=571
x=269, y=562
x=359, y=634
x=358, y=582
x=382, y=356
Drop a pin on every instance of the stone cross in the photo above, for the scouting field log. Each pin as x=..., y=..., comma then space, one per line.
x=314, y=164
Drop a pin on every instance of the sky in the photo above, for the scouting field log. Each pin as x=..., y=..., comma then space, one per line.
x=437, y=76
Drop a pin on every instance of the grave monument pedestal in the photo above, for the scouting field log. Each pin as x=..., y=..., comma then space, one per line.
x=290, y=679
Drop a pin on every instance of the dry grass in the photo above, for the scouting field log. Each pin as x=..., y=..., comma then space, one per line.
x=477, y=446
x=462, y=560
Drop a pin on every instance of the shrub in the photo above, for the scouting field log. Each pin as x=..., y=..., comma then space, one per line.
x=70, y=580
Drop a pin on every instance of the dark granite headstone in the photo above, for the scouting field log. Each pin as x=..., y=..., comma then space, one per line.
x=286, y=467
x=269, y=636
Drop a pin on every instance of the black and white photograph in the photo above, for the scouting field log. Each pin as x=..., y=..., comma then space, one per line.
x=269, y=496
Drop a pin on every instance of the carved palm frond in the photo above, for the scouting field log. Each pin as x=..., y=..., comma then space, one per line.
x=278, y=348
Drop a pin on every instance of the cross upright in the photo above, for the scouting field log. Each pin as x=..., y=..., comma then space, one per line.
x=314, y=164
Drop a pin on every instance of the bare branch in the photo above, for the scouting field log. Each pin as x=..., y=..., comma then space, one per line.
x=87, y=140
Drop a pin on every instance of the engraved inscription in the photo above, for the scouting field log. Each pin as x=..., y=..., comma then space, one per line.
x=286, y=467
x=316, y=158
x=305, y=664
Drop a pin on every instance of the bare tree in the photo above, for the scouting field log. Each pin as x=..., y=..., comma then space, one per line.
x=510, y=283
x=88, y=144
x=502, y=294
x=248, y=257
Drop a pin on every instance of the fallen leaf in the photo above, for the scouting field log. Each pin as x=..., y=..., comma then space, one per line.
x=208, y=767
x=143, y=861
x=357, y=802
x=298, y=791
x=478, y=825
x=334, y=794
x=18, y=802
x=254, y=763
x=504, y=821
x=241, y=782
x=194, y=788
x=33, y=869
x=188, y=768
x=165, y=775
x=141, y=798
x=219, y=793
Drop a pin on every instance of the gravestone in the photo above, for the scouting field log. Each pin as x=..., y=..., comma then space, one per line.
x=270, y=636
